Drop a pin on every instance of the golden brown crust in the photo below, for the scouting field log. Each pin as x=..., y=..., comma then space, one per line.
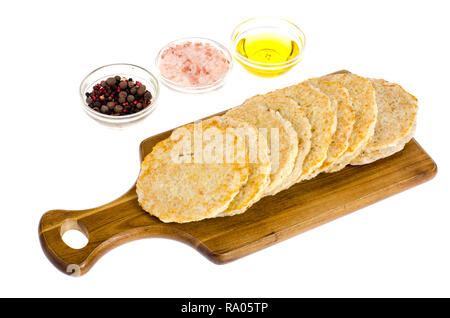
x=290, y=111
x=259, y=170
x=282, y=158
x=322, y=118
x=340, y=100
x=362, y=97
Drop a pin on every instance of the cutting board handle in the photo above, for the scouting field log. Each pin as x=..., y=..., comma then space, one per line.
x=106, y=227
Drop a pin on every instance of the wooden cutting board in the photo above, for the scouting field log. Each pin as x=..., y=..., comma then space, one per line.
x=271, y=220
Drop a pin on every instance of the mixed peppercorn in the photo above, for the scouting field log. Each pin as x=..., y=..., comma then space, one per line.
x=118, y=96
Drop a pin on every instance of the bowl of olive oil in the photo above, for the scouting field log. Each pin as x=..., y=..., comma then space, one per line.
x=268, y=46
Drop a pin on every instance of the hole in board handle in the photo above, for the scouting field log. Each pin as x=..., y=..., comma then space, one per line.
x=74, y=234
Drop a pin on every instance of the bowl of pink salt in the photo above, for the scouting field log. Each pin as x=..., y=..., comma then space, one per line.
x=194, y=65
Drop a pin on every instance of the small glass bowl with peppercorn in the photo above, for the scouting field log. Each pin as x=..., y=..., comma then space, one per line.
x=119, y=93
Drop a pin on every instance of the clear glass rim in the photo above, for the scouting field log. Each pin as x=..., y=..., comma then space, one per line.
x=147, y=110
x=261, y=65
x=194, y=89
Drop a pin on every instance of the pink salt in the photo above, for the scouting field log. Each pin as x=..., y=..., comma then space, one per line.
x=193, y=64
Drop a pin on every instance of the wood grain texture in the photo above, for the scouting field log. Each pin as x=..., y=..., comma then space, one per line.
x=273, y=219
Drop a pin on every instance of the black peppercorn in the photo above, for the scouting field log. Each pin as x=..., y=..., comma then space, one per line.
x=111, y=105
x=148, y=95
x=123, y=85
x=111, y=81
x=141, y=90
x=118, y=108
x=104, y=109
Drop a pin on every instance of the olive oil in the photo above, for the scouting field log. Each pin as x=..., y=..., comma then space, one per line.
x=268, y=53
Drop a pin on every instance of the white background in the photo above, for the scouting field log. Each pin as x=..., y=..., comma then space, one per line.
x=54, y=156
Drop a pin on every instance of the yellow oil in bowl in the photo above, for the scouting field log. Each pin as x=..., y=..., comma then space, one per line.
x=268, y=46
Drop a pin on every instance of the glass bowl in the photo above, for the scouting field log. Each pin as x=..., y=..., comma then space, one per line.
x=264, y=26
x=124, y=70
x=195, y=89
